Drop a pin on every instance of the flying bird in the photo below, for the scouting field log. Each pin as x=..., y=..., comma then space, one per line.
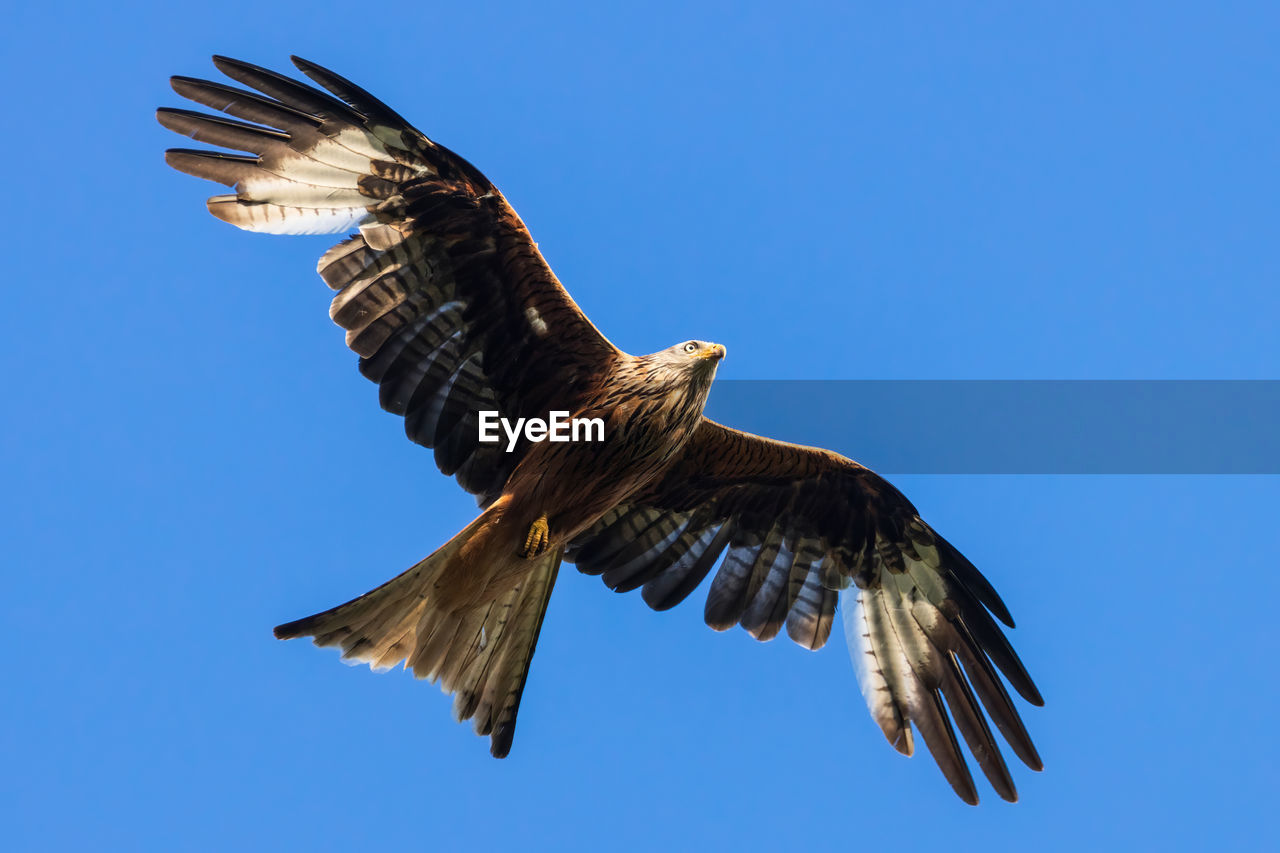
x=453, y=312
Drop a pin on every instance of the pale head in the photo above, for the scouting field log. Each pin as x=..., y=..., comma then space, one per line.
x=686, y=360
x=691, y=355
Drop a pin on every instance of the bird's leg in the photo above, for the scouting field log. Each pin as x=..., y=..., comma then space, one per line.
x=538, y=539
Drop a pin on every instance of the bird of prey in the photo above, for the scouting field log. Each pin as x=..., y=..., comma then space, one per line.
x=453, y=312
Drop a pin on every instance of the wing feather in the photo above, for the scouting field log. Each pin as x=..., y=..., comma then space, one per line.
x=813, y=608
x=765, y=614
x=674, y=583
x=727, y=597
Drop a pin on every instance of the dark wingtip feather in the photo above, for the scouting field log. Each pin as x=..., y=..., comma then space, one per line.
x=975, y=581
x=226, y=169
x=992, y=640
x=222, y=63
x=293, y=630
x=288, y=91
x=501, y=740
x=349, y=92
x=183, y=84
x=1025, y=686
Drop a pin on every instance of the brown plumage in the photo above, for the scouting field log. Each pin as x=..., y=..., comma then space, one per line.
x=453, y=311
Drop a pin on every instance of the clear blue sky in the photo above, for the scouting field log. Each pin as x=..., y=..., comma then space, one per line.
x=190, y=456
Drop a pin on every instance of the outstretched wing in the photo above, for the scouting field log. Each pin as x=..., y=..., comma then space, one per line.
x=443, y=293
x=799, y=525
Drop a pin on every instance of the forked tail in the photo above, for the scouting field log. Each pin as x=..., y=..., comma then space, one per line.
x=477, y=649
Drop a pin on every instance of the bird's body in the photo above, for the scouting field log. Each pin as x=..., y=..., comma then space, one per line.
x=454, y=313
x=650, y=407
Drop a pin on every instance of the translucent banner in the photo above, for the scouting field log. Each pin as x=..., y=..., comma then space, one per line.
x=1019, y=426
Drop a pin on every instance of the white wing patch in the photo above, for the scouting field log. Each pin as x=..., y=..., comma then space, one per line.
x=877, y=675
x=268, y=218
x=535, y=320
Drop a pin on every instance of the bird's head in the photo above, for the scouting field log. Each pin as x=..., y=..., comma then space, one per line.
x=684, y=361
x=690, y=360
x=697, y=356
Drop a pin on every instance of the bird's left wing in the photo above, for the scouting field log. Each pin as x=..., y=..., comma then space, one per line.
x=799, y=524
x=443, y=293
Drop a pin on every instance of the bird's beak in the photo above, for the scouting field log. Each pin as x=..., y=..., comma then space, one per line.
x=716, y=352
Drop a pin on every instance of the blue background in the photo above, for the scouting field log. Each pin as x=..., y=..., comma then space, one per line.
x=939, y=191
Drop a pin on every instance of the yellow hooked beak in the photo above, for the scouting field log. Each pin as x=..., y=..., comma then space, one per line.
x=717, y=352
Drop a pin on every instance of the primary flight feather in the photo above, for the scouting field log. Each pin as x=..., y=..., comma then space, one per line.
x=453, y=312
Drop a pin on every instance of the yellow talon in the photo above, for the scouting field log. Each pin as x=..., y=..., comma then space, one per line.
x=538, y=539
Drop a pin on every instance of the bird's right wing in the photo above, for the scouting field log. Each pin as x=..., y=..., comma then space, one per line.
x=796, y=526
x=443, y=293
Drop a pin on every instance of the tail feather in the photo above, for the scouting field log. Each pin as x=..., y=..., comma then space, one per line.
x=500, y=688
x=479, y=650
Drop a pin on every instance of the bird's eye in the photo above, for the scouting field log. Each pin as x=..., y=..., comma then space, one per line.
x=690, y=347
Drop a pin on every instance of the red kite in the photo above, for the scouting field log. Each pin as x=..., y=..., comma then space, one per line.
x=454, y=313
